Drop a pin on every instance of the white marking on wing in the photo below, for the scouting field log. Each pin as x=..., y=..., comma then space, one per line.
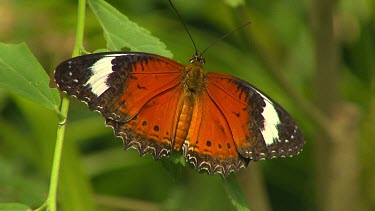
x=271, y=120
x=100, y=71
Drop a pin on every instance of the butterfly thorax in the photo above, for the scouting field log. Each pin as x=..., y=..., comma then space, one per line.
x=194, y=79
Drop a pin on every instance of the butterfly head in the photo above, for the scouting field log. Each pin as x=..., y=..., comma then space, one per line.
x=197, y=59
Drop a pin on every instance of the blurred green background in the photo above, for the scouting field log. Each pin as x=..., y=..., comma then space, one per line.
x=316, y=58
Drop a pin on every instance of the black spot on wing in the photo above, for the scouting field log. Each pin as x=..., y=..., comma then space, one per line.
x=141, y=87
x=208, y=143
x=237, y=114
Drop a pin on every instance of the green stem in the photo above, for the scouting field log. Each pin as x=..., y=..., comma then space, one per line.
x=51, y=204
x=78, y=45
x=52, y=195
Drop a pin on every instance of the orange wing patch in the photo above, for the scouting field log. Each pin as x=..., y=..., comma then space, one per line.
x=146, y=78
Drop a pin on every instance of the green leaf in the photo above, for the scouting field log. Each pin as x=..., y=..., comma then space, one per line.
x=13, y=207
x=21, y=73
x=120, y=32
x=235, y=193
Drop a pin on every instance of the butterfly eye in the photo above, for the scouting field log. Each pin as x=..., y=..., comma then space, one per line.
x=192, y=59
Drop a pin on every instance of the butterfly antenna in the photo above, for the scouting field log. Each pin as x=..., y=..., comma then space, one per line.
x=224, y=36
x=183, y=23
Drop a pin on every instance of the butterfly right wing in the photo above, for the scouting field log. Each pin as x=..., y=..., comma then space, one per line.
x=261, y=128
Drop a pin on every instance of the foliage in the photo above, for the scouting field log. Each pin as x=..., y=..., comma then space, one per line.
x=97, y=174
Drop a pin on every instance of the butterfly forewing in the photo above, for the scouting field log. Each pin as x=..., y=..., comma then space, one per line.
x=117, y=84
x=261, y=128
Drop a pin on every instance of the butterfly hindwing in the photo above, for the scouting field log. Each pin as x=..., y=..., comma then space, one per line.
x=209, y=144
x=152, y=129
x=261, y=128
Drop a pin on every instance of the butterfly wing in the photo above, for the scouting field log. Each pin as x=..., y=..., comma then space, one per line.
x=137, y=93
x=261, y=128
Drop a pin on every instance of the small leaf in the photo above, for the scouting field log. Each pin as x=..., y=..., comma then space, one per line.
x=235, y=193
x=21, y=73
x=120, y=32
x=13, y=207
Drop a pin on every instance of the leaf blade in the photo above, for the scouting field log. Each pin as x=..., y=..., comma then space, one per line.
x=120, y=32
x=21, y=73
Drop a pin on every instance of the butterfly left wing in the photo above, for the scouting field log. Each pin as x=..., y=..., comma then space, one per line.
x=137, y=93
x=261, y=128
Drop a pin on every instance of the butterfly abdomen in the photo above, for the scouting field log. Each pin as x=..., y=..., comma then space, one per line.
x=183, y=122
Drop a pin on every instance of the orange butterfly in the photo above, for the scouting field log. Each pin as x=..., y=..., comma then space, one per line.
x=158, y=105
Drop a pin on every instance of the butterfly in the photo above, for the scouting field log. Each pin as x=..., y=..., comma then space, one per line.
x=157, y=105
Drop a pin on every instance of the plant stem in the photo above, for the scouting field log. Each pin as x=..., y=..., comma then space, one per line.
x=78, y=45
x=52, y=195
x=51, y=202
